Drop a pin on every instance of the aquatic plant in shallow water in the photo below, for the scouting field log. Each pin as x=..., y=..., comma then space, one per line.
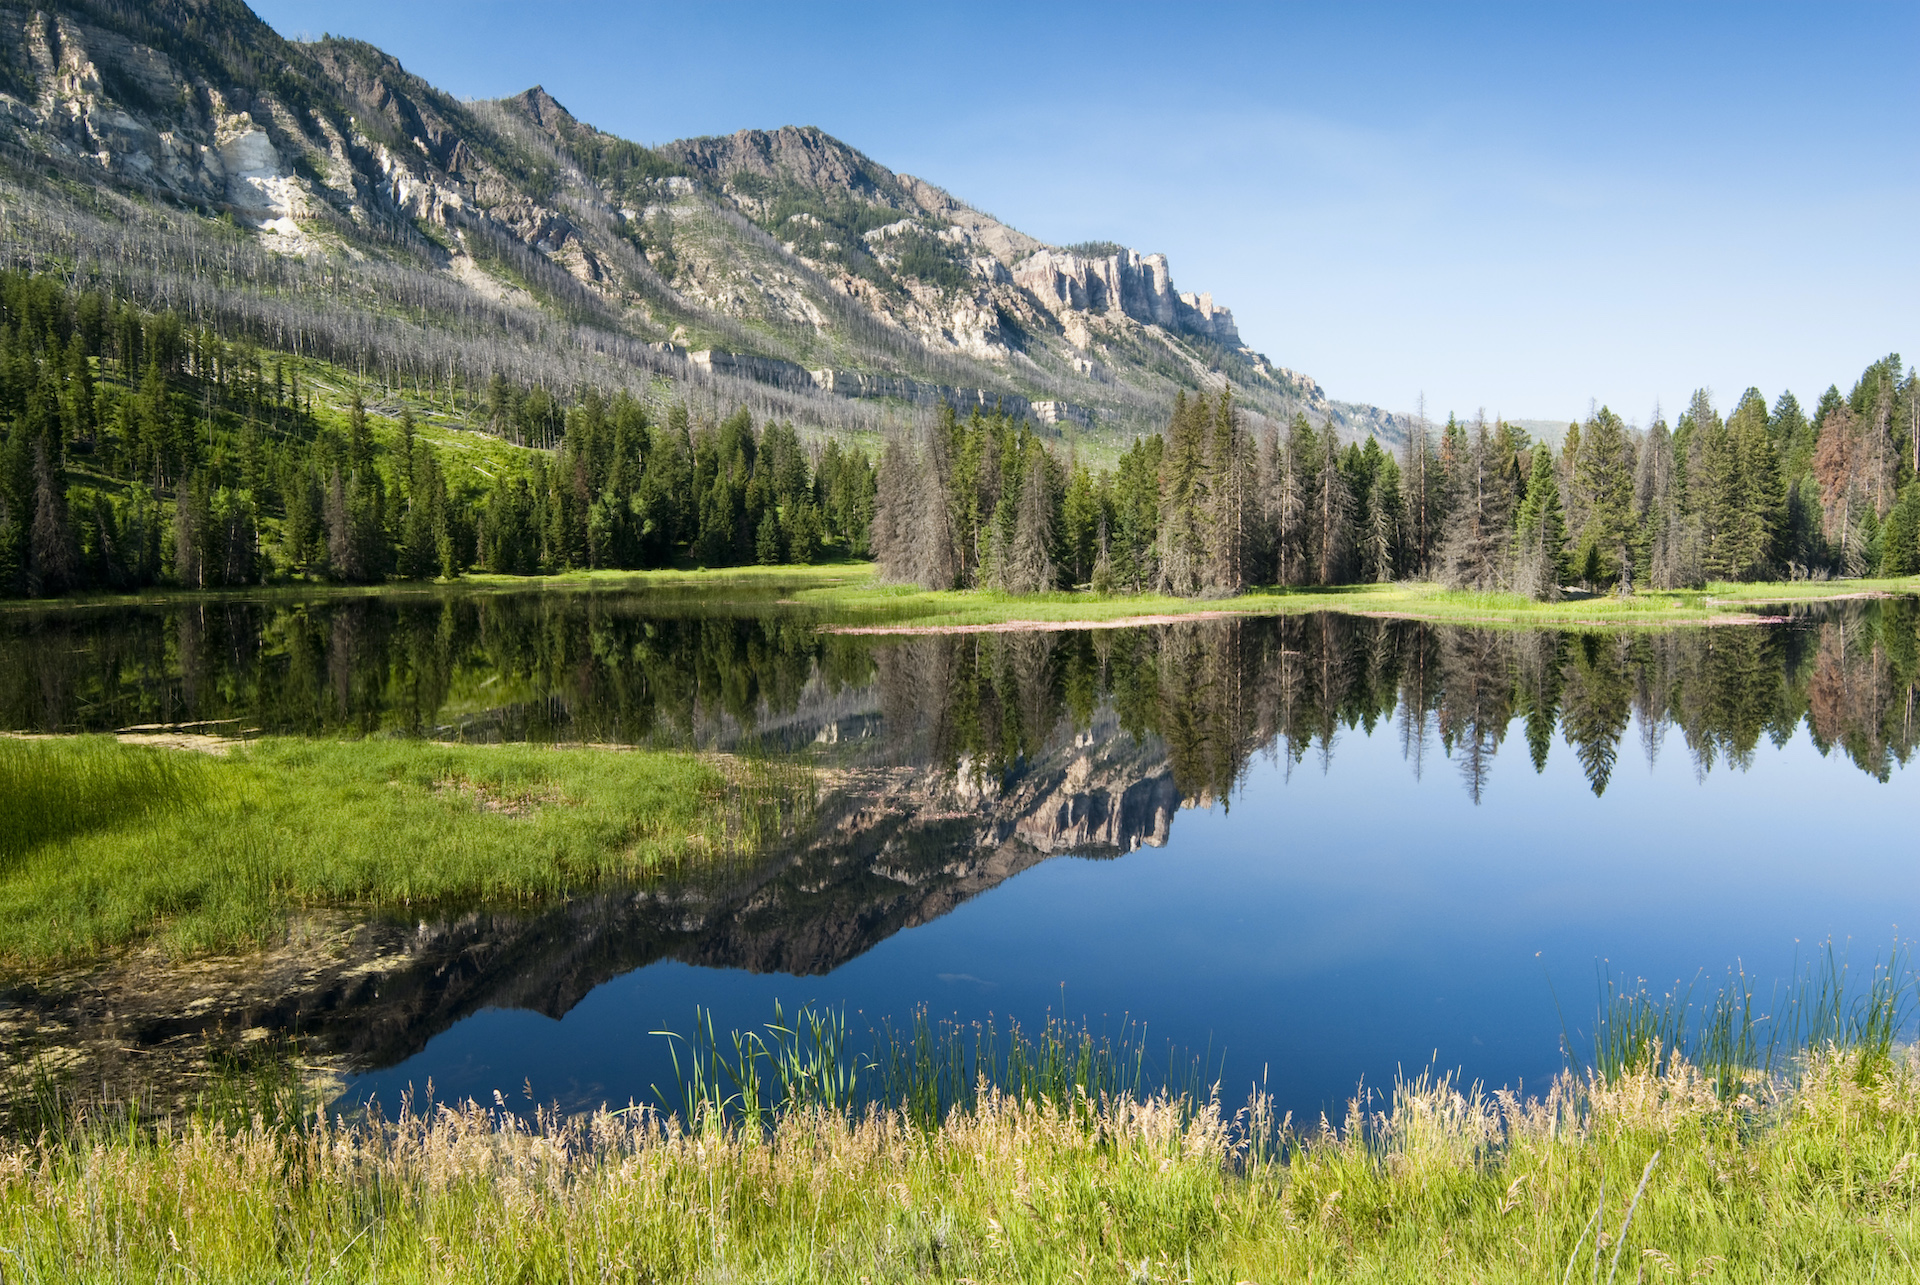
x=924, y=1070
x=1732, y=1039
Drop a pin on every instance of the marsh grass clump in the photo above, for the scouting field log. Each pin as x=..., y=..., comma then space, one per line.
x=55, y=787
x=206, y=854
x=1733, y=1036
x=924, y=1070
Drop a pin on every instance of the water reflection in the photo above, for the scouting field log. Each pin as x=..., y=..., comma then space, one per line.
x=622, y=668
x=638, y=668
x=1216, y=693
x=958, y=762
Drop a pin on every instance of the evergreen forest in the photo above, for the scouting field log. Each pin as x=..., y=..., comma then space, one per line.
x=139, y=450
x=1209, y=508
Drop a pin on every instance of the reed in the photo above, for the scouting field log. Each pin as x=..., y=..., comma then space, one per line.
x=1733, y=1036
x=923, y=1071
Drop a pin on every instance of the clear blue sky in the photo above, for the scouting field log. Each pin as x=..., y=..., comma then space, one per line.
x=1518, y=207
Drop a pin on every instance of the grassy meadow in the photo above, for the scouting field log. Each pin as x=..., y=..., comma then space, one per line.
x=104, y=845
x=759, y=578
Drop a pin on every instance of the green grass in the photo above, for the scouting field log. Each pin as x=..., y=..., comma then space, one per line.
x=57, y=789
x=1058, y=1163
x=851, y=589
x=1648, y=1175
x=205, y=854
x=797, y=575
x=904, y=604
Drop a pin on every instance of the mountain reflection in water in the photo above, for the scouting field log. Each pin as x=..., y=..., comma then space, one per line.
x=953, y=763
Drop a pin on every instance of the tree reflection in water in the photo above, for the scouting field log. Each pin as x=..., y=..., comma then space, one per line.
x=640, y=669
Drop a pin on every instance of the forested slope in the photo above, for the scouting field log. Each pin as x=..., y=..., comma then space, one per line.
x=140, y=450
x=580, y=351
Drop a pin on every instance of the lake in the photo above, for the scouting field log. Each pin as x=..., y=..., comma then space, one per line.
x=1315, y=851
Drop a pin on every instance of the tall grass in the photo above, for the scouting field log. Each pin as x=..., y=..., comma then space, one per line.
x=790, y=1158
x=281, y=825
x=924, y=1071
x=57, y=787
x=1733, y=1036
x=1646, y=1175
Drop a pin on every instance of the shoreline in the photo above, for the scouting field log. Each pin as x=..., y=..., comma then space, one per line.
x=853, y=590
x=908, y=611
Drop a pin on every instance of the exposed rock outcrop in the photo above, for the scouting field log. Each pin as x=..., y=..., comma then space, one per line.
x=1125, y=284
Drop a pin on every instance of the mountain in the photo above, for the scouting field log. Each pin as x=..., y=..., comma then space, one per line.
x=318, y=196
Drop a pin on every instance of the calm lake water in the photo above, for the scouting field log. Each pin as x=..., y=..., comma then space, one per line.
x=1327, y=849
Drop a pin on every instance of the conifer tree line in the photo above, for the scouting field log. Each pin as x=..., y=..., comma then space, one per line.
x=1205, y=509
x=135, y=450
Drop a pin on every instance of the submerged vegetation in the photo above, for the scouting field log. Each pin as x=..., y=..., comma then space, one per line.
x=211, y=853
x=1059, y=1164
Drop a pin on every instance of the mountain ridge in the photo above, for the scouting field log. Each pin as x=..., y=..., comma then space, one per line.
x=782, y=265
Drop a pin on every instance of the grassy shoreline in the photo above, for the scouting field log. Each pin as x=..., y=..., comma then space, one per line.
x=853, y=589
x=1647, y=1174
x=105, y=845
x=910, y=608
x=799, y=576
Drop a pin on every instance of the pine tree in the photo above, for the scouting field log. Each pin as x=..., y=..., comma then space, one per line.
x=192, y=516
x=1298, y=463
x=1760, y=500
x=1134, y=539
x=1664, y=553
x=1603, y=479
x=1837, y=464
x=1028, y=566
x=1900, y=537
x=52, y=556
x=1478, y=553
x=1332, y=511
x=768, y=546
x=1081, y=515
x=1386, y=518
x=1540, y=541
x=1424, y=483
x=1183, y=490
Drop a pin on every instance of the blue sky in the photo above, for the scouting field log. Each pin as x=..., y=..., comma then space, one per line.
x=1523, y=208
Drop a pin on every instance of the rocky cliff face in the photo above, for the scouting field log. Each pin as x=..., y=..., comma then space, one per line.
x=784, y=245
x=1124, y=284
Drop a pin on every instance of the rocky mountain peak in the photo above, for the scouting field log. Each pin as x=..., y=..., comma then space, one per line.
x=543, y=109
x=801, y=155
